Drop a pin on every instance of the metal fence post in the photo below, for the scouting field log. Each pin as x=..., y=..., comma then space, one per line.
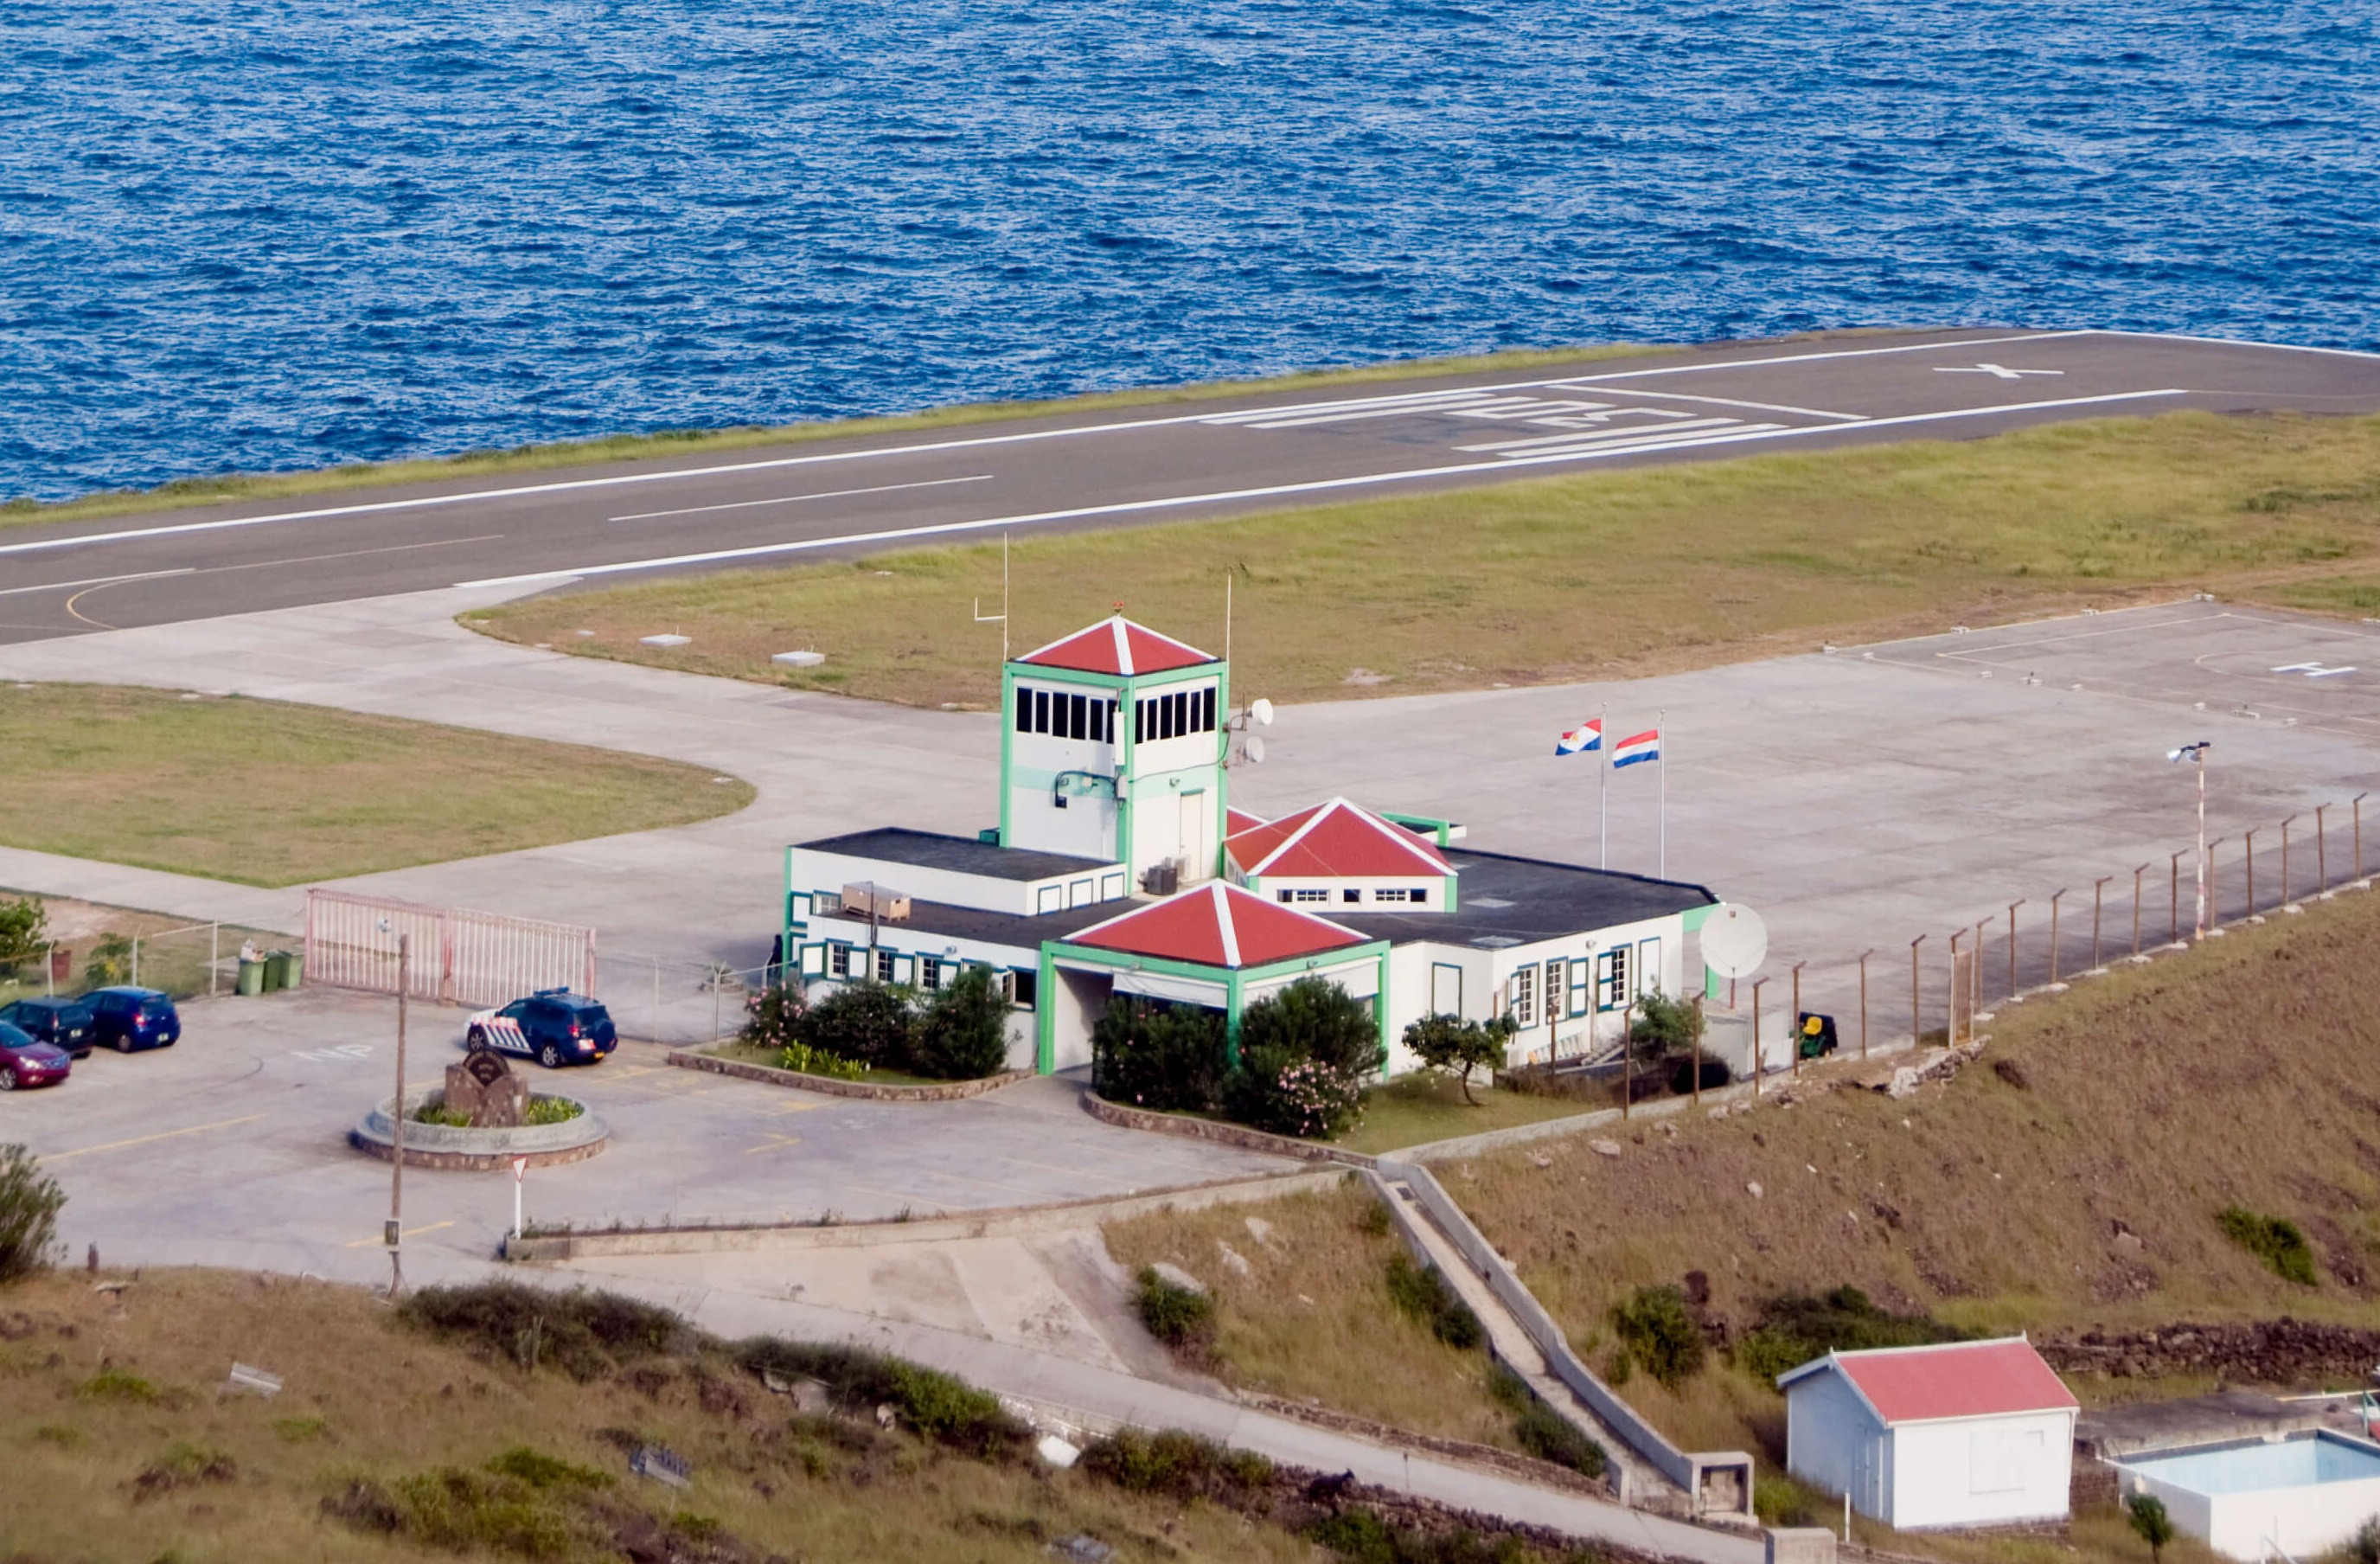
x=2052, y=934
x=2321, y=855
x=136, y=960
x=2285, y=860
x=1863, y=966
x=2012, y=907
x=1755, y=1034
x=2098, y=899
x=2252, y=869
x=1916, y=1004
x=1950, y=1015
x=1797, y=1016
x=2136, y=906
x=657, y=999
x=214, y=956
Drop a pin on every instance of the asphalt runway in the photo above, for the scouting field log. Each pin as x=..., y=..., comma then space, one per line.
x=1168, y=461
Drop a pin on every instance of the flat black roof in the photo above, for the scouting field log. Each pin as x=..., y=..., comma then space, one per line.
x=1501, y=900
x=971, y=923
x=959, y=855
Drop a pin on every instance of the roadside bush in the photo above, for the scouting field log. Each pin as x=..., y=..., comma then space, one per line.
x=961, y=1034
x=584, y=1334
x=1545, y=1433
x=804, y=1059
x=1176, y=1465
x=1795, y=1328
x=434, y=1110
x=1659, y=1330
x=30, y=1203
x=110, y=962
x=1425, y=1296
x=24, y=930
x=1664, y=1026
x=1182, y=1317
x=1306, y=1053
x=1360, y=1535
x=936, y=1406
x=1155, y=1055
x=772, y=1017
x=2274, y=1240
x=1780, y=1501
x=866, y=1021
x=1452, y=1045
x=551, y=1110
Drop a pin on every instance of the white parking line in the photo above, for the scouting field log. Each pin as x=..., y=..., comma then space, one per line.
x=1320, y=486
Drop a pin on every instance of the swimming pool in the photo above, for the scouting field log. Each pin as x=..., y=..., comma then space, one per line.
x=2303, y=1493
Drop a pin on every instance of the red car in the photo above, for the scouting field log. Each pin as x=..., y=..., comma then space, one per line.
x=26, y=1060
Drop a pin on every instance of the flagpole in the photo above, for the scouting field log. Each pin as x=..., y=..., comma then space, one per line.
x=1603, y=770
x=1661, y=728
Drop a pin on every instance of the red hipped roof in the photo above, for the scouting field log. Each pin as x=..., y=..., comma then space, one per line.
x=1334, y=840
x=1217, y=925
x=1954, y=1379
x=1238, y=820
x=1116, y=645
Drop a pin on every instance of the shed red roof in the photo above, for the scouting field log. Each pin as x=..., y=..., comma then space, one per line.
x=1217, y=925
x=1954, y=1379
x=1333, y=840
x=1116, y=645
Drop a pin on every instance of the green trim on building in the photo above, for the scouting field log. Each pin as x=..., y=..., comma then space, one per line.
x=1234, y=981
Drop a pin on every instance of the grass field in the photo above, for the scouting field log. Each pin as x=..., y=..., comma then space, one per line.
x=122, y=1449
x=2080, y=1189
x=1588, y=576
x=682, y=443
x=272, y=794
x=1414, y=1109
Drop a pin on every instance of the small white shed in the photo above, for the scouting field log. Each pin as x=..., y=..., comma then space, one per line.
x=1962, y=1433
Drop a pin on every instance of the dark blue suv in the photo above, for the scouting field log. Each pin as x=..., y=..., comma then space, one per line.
x=128, y=1018
x=552, y=1026
x=64, y=1023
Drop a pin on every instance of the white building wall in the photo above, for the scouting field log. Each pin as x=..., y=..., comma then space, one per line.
x=1087, y=826
x=2304, y=1521
x=809, y=871
x=1834, y=1443
x=1983, y=1471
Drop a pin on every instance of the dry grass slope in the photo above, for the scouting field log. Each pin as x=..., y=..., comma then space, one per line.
x=120, y=1449
x=268, y=793
x=1590, y=575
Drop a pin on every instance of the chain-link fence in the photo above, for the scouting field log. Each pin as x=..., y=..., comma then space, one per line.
x=186, y=961
x=673, y=1000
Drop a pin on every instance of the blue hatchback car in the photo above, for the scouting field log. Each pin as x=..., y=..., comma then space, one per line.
x=128, y=1018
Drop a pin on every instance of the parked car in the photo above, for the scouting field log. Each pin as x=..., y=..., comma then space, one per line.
x=26, y=1060
x=65, y=1023
x=128, y=1018
x=552, y=1026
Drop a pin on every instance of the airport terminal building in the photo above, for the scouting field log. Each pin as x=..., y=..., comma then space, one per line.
x=1119, y=866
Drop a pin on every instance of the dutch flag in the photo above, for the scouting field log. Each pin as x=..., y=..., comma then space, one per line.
x=1579, y=741
x=1645, y=746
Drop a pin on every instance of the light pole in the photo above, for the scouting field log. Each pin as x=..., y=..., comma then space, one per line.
x=2196, y=752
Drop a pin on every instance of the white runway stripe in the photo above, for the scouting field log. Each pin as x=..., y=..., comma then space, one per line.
x=1737, y=402
x=1625, y=431
x=1654, y=440
x=796, y=499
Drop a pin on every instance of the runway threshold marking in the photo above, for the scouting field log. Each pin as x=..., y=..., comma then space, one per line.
x=376, y=1240
x=923, y=448
x=161, y=1135
x=1274, y=491
x=796, y=499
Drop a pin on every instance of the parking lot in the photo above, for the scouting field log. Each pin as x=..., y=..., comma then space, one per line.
x=230, y=1148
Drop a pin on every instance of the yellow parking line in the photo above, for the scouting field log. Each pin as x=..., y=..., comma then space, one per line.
x=371, y=1242
x=774, y=1142
x=161, y=1135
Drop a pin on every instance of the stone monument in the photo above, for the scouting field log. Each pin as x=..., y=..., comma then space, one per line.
x=484, y=1087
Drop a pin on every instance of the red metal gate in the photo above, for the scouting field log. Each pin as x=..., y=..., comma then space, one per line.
x=454, y=957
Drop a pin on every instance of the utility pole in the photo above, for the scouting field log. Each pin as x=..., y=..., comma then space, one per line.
x=394, y=1235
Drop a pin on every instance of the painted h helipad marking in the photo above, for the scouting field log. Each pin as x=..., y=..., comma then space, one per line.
x=1997, y=372
x=2313, y=670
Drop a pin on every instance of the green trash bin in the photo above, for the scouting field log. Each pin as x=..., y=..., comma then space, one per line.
x=277, y=970
x=297, y=968
x=252, y=978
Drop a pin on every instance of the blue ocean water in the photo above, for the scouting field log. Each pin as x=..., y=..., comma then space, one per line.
x=271, y=235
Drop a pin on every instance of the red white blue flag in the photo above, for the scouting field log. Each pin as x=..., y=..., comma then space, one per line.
x=1586, y=736
x=1645, y=746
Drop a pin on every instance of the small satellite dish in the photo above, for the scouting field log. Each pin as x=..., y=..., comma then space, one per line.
x=1735, y=941
x=1255, y=750
x=1262, y=710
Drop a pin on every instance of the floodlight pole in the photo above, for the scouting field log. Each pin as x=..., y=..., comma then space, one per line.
x=1863, y=969
x=2012, y=907
x=1797, y=1017
x=1916, y=1007
x=2052, y=933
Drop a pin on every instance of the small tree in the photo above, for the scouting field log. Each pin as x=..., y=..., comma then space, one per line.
x=1452, y=1045
x=771, y=1019
x=963, y=1032
x=1305, y=1055
x=866, y=1021
x=2150, y=1522
x=1659, y=1327
x=24, y=929
x=30, y=1202
x=1664, y=1026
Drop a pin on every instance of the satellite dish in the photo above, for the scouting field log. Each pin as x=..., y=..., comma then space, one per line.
x=1735, y=941
x=1262, y=710
x=1255, y=750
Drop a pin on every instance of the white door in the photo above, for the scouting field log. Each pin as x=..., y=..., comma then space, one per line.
x=1197, y=837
